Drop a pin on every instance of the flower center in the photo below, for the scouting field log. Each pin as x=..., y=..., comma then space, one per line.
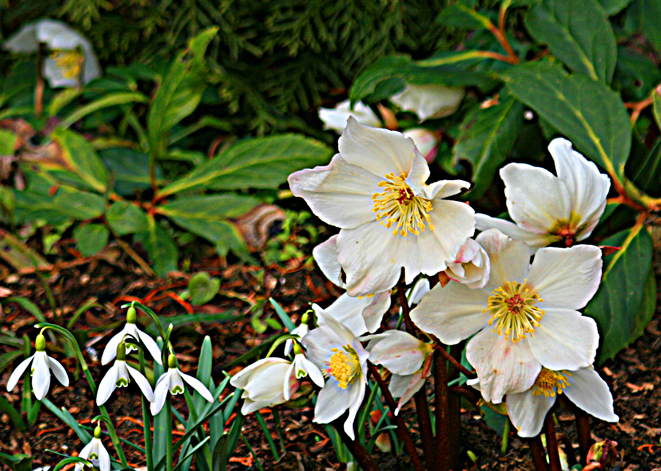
x=69, y=63
x=122, y=382
x=398, y=205
x=344, y=366
x=548, y=382
x=513, y=308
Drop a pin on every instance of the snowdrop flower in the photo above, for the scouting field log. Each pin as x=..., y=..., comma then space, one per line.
x=583, y=387
x=375, y=190
x=42, y=365
x=263, y=383
x=518, y=301
x=131, y=330
x=66, y=66
x=339, y=354
x=301, y=331
x=547, y=208
x=471, y=267
x=429, y=101
x=426, y=142
x=300, y=368
x=95, y=452
x=336, y=118
x=120, y=376
x=173, y=381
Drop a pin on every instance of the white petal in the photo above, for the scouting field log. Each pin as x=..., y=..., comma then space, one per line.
x=566, y=278
x=241, y=379
x=589, y=392
x=198, y=386
x=142, y=382
x=354, y=313
x=398, y=351
x=59, y=371
x=107, y=385
x=534, y=240
x=24, y=41
x=565, y=340
x=91, y=68
x=151, y=345
x=336, y=118
x=314, y=372
x=160, y=393
x=325, y=254
x=536, y=200
x=331, y=402
x=40, y=375
x=416, y=293
x=110, y=352
x=18, y=373
x=445, y=188
x=502, y=365
x=340, y=194
x=378, y=151
x=528, y=412
x=87, y=449
x=510, y=259
x=355, y=400
x=286, y=387
x=267, y=383
x=54, y=73
x=104, y=458
x=429, y=101
x=417, y=177
x=341, y=331
x=453, y=313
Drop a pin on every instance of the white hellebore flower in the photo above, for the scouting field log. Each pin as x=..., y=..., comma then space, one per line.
x=547, y=208
x=263, y=383
x=583, y=387
x=518, y=301
x=173, y=381
x=72, y=61
x=42, y=365
x=336, y=118
x=407, y=358
x=300, y=368
x=375, y=191
x=471, y=267
x=119, y=375
x=339, y=354
x=95, y=452
x=130, y=329
x=429, y=101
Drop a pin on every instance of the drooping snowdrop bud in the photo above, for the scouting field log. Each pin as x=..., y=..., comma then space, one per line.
x=95, y=452
x=301, y=330
x=471, y=267
x=119, y=375
x=42, y=365
x=336, y=118
x=300, y=368
x=429, y=101
x=130, y=330
x=173, y=381
x=262, y=383
x=426, y=142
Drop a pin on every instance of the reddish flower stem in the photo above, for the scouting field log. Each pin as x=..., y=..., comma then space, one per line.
x=552, y=443
x=453, y=361
x=584, y=437
x=537, y=452
x=447, y=416
x=357, y=450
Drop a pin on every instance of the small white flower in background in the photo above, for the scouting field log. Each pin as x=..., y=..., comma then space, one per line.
x=519, y=300
x=262, y=383
x=471, y=267
x=71, y=62
x=339, y=354
x=131, y=330
x=301, y=331
x=119, y=375
x=300, y=368
x=547, y=208
x=336, y=118
x=583, y=387
x=375, y=191
x=42, y=365
x=95, y=452
x=426, y=142
x=173, y=380
x=429, y=101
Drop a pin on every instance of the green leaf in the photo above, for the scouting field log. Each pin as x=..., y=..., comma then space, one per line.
x=635, y=74
x=463, y=16
x=130, y=169
x=29, y=306
x=646, y=15
x=7, y=142
x=162, y=250
x=587, y=112
x=109, y=100
x=617, y=304
x=17, y=462
x=80, y=158
x=578, y=33
x=613, y=7
x=657, y=108
x=13, y=414
x=486, y=137
x=62, y=99
x=644, y=168
x=647, y=306
x=17, y=254
x=202, y=288
x=91, y=239
x=256, y=163
x=126, y=218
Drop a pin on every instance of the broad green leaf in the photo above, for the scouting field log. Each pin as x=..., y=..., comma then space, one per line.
x=126, y=218
x=79, y=205
x=578, y=33
x=17, y=462
x=91, y=239
x=617, y=304
x=647, y=306
x=202, y=288
x=130, y=169
x=587, y=112
x=162, y=250
x=29, y=306
x=644, y=167
x=613, y=7
x=62, y=99
x=105, y=102
x=256, y=163
x=635, y=74
x=486, y=137
x=19, y=255
x=79, y=157
x=203, y=122
x=7, y=142
x=463, y=16
x=67, y=203
x=646, y=15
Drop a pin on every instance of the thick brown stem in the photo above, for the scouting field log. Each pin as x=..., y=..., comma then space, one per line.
x=584, y=437
x=453, y=360
x=359, y=453
x=537, y=452
x=447, y=455
x=552, y=443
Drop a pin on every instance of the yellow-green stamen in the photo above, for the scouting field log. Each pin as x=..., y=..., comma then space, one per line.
x=398, y=205
x=549, y=382
x=344, y=366
x=69, y=62
x=513, y=309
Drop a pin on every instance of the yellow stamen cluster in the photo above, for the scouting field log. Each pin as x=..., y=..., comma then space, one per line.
x=548, y=382
x=69, y=63
x=398, y=205
x=344, y=366
x=513, y=309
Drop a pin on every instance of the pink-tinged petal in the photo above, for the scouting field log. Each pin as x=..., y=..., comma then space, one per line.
x=198, y=386
x=355, y=400
x=527, y=412
x=59, y=371
x=40, y=375
x=354, y=313
x=536, y=199
x=331, y=402
x=107, y=385
x=565, y=340
x=18, y=373
x=340, y=194
x=510, y=259
x=453, y=222
x=405, y=387
x=503, y=366
x=110, y=352
x=142, y=382
x=453, y=313
x=291, y=374
x=398, y=351
x=160, y=393
x=534, y=240
x=566, y=278
x=589, y=392
x=378, y=151
x=325, y=254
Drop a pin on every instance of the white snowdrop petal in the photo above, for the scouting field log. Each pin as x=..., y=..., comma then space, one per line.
x=160, y=393
x=18, y=373
x=40, y=375
x=198, y=386
x=107, y=385
x=59, y=371
x=142, y=382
